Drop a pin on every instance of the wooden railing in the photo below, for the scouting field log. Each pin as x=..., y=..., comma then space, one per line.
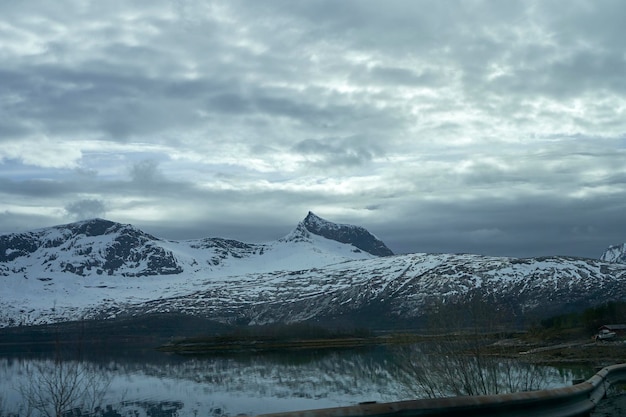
x=573, y=401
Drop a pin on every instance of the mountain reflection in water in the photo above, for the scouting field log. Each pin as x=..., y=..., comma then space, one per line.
x=160, y=385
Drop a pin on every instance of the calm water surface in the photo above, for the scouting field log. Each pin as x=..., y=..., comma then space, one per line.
x=161, y=385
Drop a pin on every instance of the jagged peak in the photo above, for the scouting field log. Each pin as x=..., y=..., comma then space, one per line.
x=94, y=224
x=356, y=236
x=315, y=221
x=92, y=227
x=99, y=227
x=615, y=254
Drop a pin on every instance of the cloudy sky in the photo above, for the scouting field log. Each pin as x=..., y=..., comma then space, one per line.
x=493, y=127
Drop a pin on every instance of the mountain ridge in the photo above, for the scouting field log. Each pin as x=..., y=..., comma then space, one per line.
x=98, y=269
x=615, y=254
x=103, y=247
x=355, y=235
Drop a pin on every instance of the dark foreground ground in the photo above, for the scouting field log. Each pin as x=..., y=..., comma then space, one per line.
x=559, y=352
x=575, y=351
x=612, y=406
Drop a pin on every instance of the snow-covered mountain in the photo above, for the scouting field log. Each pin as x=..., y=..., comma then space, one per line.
x=100, y=247
x=92, y=247
x=321, y=272
x=615, y=254
x=344, y=233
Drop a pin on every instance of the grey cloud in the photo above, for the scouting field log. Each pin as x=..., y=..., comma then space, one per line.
x=614, y=179
x=258, y=101
x=399, y=28
x=230, y=103
x=11, y=129
x=483, y=174
x=145, y=172
x=571, y=56
x=111, y=92
x=310, y=112
x=366, y=24
x=147, y=179
x=86, y=209
x=72, y=101
x=144, y=177
x=600, y=23
x=590, y=70
x=41, y=188
x=403, y=76
x=336, y=152
x=525, y=227
x=11, y=222
x=572, y=76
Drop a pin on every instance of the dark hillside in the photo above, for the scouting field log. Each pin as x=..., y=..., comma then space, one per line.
x=97, y=336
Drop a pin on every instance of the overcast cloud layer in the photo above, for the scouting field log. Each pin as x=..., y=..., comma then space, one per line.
x=495, y=127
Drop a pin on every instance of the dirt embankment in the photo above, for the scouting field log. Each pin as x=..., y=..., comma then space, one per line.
x=575, y=351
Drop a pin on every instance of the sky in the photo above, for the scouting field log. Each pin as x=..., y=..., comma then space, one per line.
x=490, y=127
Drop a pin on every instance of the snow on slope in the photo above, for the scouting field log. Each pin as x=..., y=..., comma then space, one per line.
x=404, y=286
x=615, y=254
x=89, y=248
x=344, y=233
x=100, y=269
x=60, y=273
x=99, y=247
x=297, y=250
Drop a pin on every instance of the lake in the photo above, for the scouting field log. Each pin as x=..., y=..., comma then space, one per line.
x=149, y=383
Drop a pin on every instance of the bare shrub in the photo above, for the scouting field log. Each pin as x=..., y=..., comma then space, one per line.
x=56, y=388
x=444, y=368
x=457, y=361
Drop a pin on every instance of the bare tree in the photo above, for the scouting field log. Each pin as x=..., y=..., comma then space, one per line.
x=456, y=361
x=435, y=370
x=54, y=388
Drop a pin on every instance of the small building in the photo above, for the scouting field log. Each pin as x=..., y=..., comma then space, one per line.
x=619, y=329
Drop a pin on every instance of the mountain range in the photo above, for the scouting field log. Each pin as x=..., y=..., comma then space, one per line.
x=321, y=272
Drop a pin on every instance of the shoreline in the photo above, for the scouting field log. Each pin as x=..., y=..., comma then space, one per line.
x=578, y=351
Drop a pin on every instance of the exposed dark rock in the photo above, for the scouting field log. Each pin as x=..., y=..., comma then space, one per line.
x=615, y=254
x=355, y=235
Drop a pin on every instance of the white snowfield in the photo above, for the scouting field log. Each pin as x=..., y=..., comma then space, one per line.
x=615, y=254
x=75, y=273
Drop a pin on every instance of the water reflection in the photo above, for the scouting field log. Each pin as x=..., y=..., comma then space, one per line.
x=167, y=386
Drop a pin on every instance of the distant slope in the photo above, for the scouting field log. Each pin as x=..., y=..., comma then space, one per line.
x=400, y=288
x=384, y=292
x=615, y=254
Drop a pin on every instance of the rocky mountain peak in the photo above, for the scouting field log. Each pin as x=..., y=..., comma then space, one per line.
x=313, y=221
x=356, y=236
x=100, y=227
x=88, y=247
x=92, y=227
x=615, y=254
